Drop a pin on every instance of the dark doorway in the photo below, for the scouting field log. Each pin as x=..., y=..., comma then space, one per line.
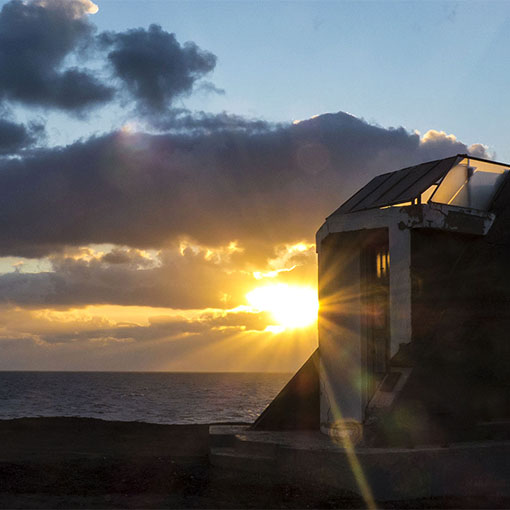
x=376, y=278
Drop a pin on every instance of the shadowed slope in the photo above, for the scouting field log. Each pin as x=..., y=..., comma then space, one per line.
x=297, y=406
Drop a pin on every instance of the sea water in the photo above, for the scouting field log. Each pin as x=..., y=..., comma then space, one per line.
x=154, y=397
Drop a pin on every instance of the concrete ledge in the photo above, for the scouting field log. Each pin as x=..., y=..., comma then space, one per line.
x=460, y=470
x=224, y=435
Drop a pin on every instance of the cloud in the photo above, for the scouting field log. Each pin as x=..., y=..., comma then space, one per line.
x=39, y=39
x=48, y=327
x=433, y=140
x=73, y=9
x=15, y=137
x=262, y=188
x=196, y=123
x=35, y=39
x=124, y=276
x=189, y=276
x=215, y=209
x=155, y=68
x=432, y=135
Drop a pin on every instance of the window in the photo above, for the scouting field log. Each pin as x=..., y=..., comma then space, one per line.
x=382, y=261
x=471, y=184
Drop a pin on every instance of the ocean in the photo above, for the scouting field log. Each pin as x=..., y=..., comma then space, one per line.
x=153, y=397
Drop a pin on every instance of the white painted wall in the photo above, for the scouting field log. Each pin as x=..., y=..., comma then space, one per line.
x=341, y=352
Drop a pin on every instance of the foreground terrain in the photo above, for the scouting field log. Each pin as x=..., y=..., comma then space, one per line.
x=89, y=463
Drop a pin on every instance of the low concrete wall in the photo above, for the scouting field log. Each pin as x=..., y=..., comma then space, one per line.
x=462, y=470
x=403, y=474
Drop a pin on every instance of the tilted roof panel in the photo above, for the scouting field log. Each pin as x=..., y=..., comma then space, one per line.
x=422, y=180
x=397, y=187
x=362, y=194
x=379, y=196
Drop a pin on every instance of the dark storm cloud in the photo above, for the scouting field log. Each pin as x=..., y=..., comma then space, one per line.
x=14, y=137
x=155, y=68
x=35, y=39
x=38, y=37
x=262, y=188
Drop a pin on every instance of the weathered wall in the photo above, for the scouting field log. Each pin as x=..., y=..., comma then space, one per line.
x=400, y=287
x=434, y=258
x=461, y=348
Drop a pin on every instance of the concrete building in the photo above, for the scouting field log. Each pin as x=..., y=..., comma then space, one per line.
x=414, y=289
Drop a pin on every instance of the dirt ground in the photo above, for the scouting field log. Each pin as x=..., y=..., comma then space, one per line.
x=88, y=463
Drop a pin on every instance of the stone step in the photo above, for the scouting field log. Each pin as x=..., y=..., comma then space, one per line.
x=224, y=435
x=390, y=473
x=247, y=444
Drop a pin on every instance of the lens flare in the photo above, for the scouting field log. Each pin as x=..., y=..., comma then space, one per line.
x=291, y=306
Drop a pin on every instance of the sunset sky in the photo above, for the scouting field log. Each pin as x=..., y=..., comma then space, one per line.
x=164, y=165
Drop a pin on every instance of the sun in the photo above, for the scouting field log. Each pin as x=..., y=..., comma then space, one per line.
x=292, y=306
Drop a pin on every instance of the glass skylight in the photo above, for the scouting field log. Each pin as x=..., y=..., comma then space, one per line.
x=471, y=184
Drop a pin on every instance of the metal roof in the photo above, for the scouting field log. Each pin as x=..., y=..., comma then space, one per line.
x=399, y=187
